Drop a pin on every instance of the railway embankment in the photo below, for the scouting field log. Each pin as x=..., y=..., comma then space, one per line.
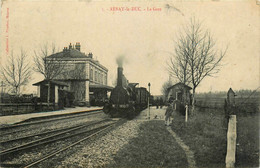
x=140, y=142
x=136, y=143
x=30, y=143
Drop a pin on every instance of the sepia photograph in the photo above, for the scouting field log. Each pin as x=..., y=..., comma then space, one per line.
x=127, y=83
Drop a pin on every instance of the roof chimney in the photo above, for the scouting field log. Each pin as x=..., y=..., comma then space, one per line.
x=65, y=49
x=90, y=55
x=77, y=46
x=70, y=46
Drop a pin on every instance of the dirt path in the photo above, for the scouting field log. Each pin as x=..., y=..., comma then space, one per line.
x=159, y=113
x=188, y=152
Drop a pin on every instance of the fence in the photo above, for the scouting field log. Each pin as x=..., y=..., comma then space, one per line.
x=230, y=114
x=23, y=108
x=242, y=106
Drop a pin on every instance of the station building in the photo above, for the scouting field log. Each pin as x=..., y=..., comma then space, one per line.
x=179, y=94
x=82, y=74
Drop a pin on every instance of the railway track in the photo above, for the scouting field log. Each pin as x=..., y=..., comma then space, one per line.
x=77, y=115
x=82, y=132
x=50, y=134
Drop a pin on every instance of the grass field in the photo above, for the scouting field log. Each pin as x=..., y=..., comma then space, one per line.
x=247, y=154
x=205, y=134
x=153, y=147
x=246, y=101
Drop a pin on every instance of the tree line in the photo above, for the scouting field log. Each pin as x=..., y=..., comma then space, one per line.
x=16, y=72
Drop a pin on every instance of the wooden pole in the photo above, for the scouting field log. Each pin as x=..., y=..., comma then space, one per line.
x=149, y=84
x=231, y=142
x=186, y=113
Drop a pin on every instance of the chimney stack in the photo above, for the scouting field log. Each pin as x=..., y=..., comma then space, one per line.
x=70, y=46
x=65, y=49
x=90, y=55
x=77, y=46
x=119, y=76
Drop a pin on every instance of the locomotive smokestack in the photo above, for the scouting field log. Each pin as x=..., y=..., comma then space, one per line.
x=119, y=76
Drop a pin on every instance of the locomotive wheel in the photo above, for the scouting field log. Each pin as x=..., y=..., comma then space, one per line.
x=131, y=112
x=106, y=108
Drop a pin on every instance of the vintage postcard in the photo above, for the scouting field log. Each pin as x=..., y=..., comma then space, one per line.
x=129, y=83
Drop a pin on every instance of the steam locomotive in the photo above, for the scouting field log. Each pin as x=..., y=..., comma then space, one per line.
x=126, y=99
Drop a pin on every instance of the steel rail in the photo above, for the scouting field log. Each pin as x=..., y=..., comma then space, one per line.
x=49, y=120
x=45, y=140
x=44, y=133
x=61, y=150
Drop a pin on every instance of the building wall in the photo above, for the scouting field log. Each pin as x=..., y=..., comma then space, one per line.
x=86, y=69
x=184, y=94
x=79, y=89
x=44, y=93
x=97, y=74
x=91, y=71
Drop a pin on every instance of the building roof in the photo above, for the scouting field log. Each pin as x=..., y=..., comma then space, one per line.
x=77, y=80
x=97, y=86
x=70, y=53
x=181, y=85
x=55, y=82
x=74, y=54
x=230, y=91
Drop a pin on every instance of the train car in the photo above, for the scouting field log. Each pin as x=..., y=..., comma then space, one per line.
x=141, y=98
x=126, y=99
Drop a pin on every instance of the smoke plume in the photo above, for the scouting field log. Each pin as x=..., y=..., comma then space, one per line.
x=120, y=60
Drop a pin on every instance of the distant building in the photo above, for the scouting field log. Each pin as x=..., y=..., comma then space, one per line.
x=179, y=93
x=83, y=75
x=231, y=97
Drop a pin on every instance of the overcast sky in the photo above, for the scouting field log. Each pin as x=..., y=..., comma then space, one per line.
x=144, y=37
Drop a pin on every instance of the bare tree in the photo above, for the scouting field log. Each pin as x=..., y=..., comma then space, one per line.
x=77, y=74
x=165, y=87
x=197, y=50
x=178, y=66
x=49, y=67
x=16, y=72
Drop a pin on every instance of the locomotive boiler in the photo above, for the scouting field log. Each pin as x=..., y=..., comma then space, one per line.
x=126, y=99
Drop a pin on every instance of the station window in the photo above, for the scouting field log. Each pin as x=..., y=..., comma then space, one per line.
x=91, y=74
x=105, y=79
x=98, y=77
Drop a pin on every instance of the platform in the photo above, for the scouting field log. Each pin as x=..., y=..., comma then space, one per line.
x=154, y=113
x=12, y=119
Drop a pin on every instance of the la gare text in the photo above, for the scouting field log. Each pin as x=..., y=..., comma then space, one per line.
x=121, y=9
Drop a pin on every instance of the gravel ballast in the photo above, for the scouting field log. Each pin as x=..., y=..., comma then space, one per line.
x=101, y=152
x=136, y=143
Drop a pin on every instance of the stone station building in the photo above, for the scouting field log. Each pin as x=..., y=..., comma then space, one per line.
x=83, y=75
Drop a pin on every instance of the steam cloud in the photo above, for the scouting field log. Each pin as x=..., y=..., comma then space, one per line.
x=120, y=60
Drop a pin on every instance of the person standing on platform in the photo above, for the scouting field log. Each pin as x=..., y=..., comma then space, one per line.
x=168, y=114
